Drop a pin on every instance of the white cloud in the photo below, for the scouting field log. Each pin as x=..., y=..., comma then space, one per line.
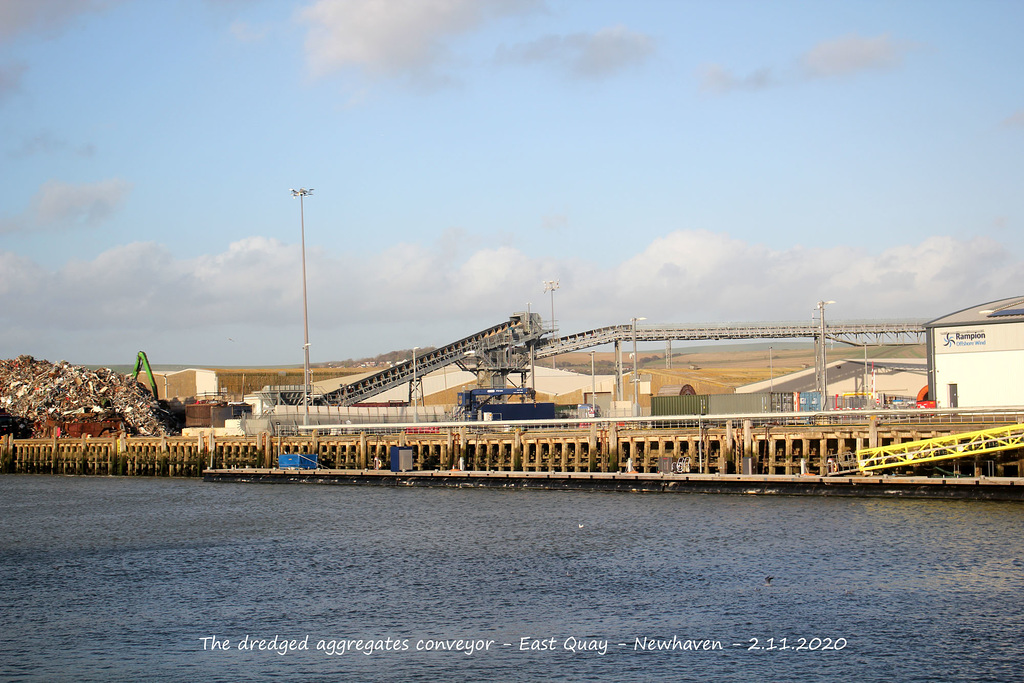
x=1015, y=120
x=555, y=222
x=584, y=55
x=59, y=205
x=361, y=304
x=395, y=37
x=245, y=32
x=716, y=78
x=713, y=276
x=47, y=143
x=851, y=54
x=19, y=16
x=10, y=79
x=834, y=58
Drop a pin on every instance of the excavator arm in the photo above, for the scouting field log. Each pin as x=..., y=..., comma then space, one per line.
x=141, y=361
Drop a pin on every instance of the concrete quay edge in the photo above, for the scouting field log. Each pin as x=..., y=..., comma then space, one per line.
x=953, y=488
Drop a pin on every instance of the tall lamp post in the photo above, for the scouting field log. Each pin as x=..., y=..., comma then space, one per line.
x=593, y=382
x=412, y=388
x=824, y=361
x=302, y=193
x=533, y=351
x=551, y=286
x=636, y=379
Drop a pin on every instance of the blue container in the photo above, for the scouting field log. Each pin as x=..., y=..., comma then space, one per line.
x=303, y=461
x=520, y=411
x=810, y=401
x=401, y=459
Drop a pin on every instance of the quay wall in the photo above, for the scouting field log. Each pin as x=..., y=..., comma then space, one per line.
x=955, y=488
x=727, y=449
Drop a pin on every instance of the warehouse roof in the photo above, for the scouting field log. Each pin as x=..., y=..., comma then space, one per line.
x=1009, y=310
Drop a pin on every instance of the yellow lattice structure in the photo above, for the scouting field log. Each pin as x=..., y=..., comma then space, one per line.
x=967, y=444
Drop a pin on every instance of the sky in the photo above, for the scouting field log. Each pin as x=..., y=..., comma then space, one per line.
x=686, y=162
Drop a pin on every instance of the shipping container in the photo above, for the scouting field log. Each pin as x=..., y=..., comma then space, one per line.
x=737, y=404
x=518, y=411
x=809, y=401
x=694, y=404
x=401, y=459
x=723, y=404
x=783, y=402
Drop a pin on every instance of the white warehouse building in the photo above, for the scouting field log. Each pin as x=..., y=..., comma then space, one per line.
x=976, y=356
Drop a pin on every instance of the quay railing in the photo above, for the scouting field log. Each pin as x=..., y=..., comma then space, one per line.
x=852, y=418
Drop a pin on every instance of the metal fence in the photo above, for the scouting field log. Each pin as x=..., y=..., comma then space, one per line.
x=980, y=416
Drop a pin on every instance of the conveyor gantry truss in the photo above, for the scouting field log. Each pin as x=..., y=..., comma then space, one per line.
x=855, y=333
x=967, y=444
x=504, y=349
x=498, y=350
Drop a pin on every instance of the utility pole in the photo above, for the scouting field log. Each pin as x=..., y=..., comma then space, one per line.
x=302, y=193
x=823, y=376
x=551, y=286
x=636, y=378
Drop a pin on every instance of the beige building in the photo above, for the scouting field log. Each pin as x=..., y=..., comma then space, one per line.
x=183, y=384
x=890, y=377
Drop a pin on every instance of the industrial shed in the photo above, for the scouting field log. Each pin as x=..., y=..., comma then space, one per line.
x=976, y=356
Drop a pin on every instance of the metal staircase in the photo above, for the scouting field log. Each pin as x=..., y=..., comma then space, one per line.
x=967, y=444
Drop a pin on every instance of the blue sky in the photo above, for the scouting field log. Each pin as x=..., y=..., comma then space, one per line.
x=682, y=161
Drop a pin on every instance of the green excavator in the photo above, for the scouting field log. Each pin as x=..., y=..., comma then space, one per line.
x=141, y=361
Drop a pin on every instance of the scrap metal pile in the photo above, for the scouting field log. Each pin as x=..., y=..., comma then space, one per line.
x=55, y=394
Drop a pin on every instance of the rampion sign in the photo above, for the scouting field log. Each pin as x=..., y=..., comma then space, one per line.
x=962, y=339
x=1006, y=337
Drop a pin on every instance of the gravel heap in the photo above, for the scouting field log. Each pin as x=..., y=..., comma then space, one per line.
x=39, y=391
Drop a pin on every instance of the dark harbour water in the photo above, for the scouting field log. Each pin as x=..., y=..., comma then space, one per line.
x=121, y=578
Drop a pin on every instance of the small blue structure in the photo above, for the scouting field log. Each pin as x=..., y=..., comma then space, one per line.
x=302, y=461
x=401, y=459
x=810, y=401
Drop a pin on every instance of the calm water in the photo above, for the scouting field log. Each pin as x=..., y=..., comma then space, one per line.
x=123, y=578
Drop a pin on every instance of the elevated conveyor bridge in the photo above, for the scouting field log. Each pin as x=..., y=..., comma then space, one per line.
x=504, y=349
x=855, y=333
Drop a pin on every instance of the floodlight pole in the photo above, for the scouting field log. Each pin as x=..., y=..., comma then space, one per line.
x=551, y=286
x=533, y=350
x=302, y=193
x=412, y=388
x=824, y=361
x=636, y=379
x=593, y=382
